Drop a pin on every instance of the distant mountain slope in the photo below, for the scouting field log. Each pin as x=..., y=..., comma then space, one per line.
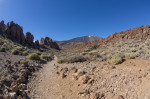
x=78, y=40
x=139, y=33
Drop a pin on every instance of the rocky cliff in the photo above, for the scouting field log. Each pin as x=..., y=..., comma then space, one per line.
x=15, y=32
x=49, y=42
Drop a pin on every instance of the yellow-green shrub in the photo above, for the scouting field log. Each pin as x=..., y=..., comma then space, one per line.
x=15, y=52
x=116, y=59
x=25, y=62
x=2, y=49
x=33, y=56
x=60, y=60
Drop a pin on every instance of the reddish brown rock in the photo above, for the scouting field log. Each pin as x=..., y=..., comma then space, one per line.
x=142, y=32
x=49, y=42
x=29, y=38
x=15, y=32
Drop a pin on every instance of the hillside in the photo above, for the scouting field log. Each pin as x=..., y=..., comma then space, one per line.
x=139, y=33
x=78, y=40
x=20, y=57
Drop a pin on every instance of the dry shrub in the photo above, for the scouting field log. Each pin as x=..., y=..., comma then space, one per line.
x=76, y=58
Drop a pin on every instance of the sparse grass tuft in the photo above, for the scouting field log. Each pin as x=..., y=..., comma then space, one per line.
x=60, y=60
x=19, y=48
x=25, y=62
x=2, y=49
x=33, y=56
x=132, y=55
x=99, y=59
x=15, y=52
x=25, y=53
x=93, y=47
x=46, y=57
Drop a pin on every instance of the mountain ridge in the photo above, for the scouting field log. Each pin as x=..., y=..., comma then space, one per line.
x=78, y=40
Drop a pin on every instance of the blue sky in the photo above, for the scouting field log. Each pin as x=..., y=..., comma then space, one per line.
x=66, y=19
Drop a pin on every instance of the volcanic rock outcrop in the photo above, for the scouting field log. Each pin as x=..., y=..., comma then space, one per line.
x=37, y=43
x=15, y=32
x=49, y=42
x=29, y=38
x=2, y=27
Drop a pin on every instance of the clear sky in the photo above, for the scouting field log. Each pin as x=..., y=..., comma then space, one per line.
x=66, y=19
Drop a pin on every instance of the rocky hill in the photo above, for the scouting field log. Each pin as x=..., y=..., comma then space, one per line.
x=141, y=33
x=78, y=40
x=15, y=32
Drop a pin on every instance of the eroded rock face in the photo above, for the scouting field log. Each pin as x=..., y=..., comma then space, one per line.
x=29, y=38
x=2, y=27
x=37, y=43
x=49, y=42
x=15, y=32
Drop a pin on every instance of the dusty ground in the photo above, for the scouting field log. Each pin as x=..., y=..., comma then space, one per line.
x=92, y=80
x=14, y=76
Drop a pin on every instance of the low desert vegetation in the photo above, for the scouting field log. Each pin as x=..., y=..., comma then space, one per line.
x=46, y=57
x=93, y=47
x=24, y=62
x=114, y=53
x=132, y=55
x=72, y=59
x=116, y=59
x=2, y=49
x=15, y=52
x=25, y=53
x=33, y=56
x=61, y=60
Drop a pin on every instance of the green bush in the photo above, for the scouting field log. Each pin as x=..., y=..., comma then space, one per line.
x=60, y=60
x=46, y=57
x=99, y=59
x=93, y=47
x=104, y=53
x=25, y=53
x=25, y=62
x=132, y=55
x=19, y=48
x=15, y=52
x=33, y=56
x=116, y=59
x=2, y=49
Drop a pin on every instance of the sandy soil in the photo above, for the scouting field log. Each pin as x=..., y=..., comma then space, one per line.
x=129, y=80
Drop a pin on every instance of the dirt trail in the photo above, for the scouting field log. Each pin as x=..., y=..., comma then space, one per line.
x=43, y=82
x=46, y=84
x=129, y=80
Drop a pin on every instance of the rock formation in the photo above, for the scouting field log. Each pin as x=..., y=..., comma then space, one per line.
x=29, y=38
x=2, y=27
x=15, y=32
x=49, y=42
x=37, y=43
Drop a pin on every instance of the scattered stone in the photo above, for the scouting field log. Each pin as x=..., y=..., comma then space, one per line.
x=84, y=79
x=63, y=75
x=120, y=97
x=13, y=95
